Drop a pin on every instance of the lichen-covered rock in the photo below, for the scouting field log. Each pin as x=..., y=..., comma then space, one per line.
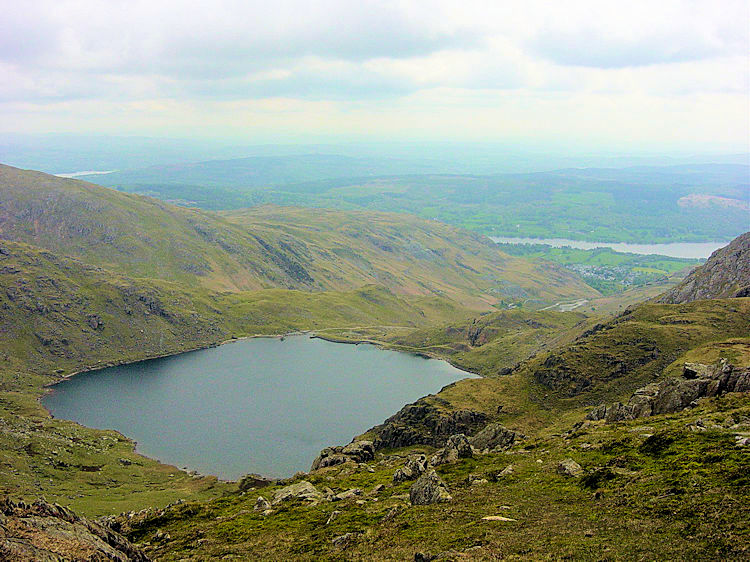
x=569, y=467
x=43, y=531
x=254, y=481
x=347, y=494
x=457, y=447
x=303, y=490
x=424, y=423
x=494, y=437
x=413, y=468
x=359, y=451
x=261, y=504
x=429, y=488
x=356, y=451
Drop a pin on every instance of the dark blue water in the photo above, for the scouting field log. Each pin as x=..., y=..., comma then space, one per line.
x=258, y=405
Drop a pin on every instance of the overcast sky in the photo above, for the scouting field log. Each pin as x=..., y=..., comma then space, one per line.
x=646, y=75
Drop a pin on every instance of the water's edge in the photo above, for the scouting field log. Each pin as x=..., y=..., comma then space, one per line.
x=49, y=387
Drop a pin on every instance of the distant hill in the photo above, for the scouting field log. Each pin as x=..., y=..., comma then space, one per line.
x=725, y=274
x=269, y=247
x=644, y=204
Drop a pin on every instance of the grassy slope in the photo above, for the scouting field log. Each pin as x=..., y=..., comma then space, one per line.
x=143, y=237
x=652, y=489
x=60, y=316
x=416, y=255
x=489, y=344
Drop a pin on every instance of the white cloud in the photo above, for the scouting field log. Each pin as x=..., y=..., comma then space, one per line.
x=504, y=68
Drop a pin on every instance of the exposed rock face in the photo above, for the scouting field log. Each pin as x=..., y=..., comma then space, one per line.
x=413, y=468
x=429, y=488
x=726, y=274
x=495, y=437
x=303, y=490
x=424, y=423
x=675, y=394
x=43, y=531
x=569, y=467
x=356, y=451
x=457, y=447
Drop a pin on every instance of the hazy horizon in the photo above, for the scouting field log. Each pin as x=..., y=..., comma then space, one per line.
x=670, y=78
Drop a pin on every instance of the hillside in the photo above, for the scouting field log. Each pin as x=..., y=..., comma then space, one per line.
x=264, y=248
x=410, y=255
x=60, y=316
x=636, y=204
x=725, y=274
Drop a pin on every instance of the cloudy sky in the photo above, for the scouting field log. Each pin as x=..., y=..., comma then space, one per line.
x=647, y=75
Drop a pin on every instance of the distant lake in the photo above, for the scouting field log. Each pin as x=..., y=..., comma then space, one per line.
x=257, y=405
x=693, y=250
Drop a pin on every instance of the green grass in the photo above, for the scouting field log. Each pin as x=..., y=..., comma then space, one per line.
x=652, y=489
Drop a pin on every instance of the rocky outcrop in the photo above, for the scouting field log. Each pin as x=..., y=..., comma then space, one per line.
x=726, y=274
x=676, y=393
x=425, y=423
x=251, y=481
x=457, y=447
x=429, y=488
x=494, y=438
x=43, y=531
x=356, y=451
x=413, y=468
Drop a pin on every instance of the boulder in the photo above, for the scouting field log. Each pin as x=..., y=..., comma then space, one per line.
x=303, y=490
x=429, y=488
x=413, y=468
x=569, y=467
x=254, y=481
x=346, y=495
x=359, y=451
x=457, y=447
x=261, y=504
x=494, y=437
x=356, y=451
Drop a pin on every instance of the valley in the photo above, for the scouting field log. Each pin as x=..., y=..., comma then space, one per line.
x=71, y=301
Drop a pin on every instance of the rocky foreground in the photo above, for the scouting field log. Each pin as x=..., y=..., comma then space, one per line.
x=42, y=531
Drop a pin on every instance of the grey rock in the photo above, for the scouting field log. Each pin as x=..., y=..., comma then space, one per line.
x=413, y=468
x=494, y=437
x=457, y=447
x=569, y=467
x=44, y=531
x=261, y=504
x=677, y=393
x=356, y=451
x=345, y=540
x=303, y=490
x=359, y=451
x=348, y=494
x=429, y=488
x=254, y=481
